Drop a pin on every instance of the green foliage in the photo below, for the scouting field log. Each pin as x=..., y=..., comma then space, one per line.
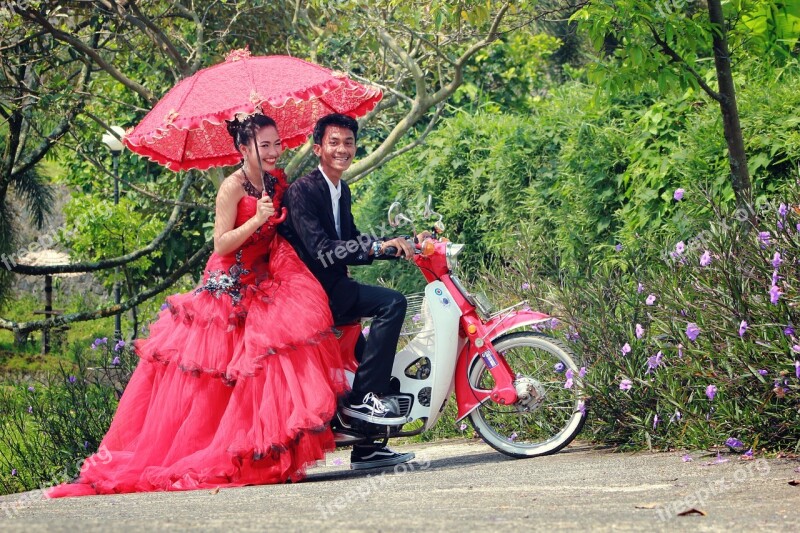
x=50, y=427
x=753, y=364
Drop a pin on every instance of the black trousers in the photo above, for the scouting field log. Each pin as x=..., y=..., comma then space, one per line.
x=375, y=354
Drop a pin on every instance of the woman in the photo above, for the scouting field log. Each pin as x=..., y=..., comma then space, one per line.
x=239, y=378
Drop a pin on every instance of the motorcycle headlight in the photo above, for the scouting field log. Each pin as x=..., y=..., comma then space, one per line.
x=451, y=254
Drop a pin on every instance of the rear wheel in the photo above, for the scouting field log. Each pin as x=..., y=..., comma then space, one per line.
x=550, y=410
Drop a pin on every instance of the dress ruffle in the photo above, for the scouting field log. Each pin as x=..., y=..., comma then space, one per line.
x=228, y=392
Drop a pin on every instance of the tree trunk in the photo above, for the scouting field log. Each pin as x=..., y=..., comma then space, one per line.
x=737, y=158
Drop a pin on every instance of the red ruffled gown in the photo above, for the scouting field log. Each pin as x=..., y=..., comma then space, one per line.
x=236, y=384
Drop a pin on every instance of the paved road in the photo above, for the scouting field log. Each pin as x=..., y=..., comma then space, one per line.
x=458, y=485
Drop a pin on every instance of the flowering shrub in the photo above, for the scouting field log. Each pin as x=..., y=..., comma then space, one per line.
x=700, y=348
x=49, y=427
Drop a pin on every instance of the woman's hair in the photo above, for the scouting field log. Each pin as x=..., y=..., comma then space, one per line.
x=243, y=131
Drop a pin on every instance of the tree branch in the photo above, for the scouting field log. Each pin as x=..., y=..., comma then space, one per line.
x=116, y=261
x=55, y=134
x=143, y=296
x=407, y=148
x=668, y=51
x=33, y=16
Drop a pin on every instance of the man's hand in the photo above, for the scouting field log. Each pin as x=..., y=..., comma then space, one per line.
x=424, y=235
x=404, y=248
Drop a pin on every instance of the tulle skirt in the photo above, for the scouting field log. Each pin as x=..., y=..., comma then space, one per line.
x=229, y=391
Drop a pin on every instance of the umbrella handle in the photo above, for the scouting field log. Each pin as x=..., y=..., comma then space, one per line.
x=281, y=218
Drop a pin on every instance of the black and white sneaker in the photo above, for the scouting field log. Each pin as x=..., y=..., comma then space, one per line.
x=375, y=410
x=363, y=457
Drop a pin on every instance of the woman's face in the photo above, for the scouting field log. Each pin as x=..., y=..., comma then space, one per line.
x=269, y=147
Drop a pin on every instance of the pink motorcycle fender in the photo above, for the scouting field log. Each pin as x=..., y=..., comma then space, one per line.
x=468, y=398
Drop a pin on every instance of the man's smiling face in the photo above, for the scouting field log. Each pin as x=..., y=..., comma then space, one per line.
x=336, y=151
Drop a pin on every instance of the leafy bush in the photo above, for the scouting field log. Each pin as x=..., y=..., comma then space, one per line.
x=49, y=427
x=696, y=350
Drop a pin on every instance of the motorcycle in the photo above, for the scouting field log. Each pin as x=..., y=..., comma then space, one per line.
x=521, y=389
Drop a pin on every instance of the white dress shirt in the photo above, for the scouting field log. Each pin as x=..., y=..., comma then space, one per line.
x=336, y=193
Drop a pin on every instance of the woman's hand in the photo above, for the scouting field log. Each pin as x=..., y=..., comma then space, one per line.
x=264, y=209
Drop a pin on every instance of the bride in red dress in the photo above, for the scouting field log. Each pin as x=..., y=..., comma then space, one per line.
x=239, y=379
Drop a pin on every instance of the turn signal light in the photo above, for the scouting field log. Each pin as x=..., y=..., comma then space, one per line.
x=428, y=247
x=472, y=329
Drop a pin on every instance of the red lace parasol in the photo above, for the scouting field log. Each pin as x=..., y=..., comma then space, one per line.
x=186, y=128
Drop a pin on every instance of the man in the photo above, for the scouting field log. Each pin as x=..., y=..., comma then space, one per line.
x=320, y=225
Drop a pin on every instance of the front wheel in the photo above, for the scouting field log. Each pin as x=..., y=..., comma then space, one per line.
x=550, y=410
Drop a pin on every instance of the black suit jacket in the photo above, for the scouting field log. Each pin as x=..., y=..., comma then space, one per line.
x=311, y=229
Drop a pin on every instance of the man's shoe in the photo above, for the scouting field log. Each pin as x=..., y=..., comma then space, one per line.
x=375, y=410
x=363, y=457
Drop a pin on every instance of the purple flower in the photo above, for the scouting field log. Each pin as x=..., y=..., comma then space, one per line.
x=13, y=471
x=686, y=458
x=639, y=331
x=775, y=277
x=568, y=384
x=98, y=342
x=692, y=331
x=650, y=299
x=569, y=375
x=782, y=210
x=796, y=348
x=742, y=328
x=416, y=318
x=676, y=417
x=655, y=421
x=582, y=372
x=653, y=362
x=164, y=306
x=680, y=248
x=678, y=194
x=797, y=227
x=640, y=288
x=526, y=286
x=788, y=331
x=625, y=384
x=72, y=379
x=85, y=444
x=626, y=349
x=558, y=367
x=120, y=345
x=797, y=369
x=774, y=294
x=618, y=247
x=764, y=238
x=776, y=260
x=513, y=437
x=553, y=323
x=582, y=407
x=748, y=453
x=31, y=389
x=30, y=409
x=763, y=372
x=734, y=443
x=462, y=427
x=365, y=331
x=116, y=361
x=705, y=259
x=719, y=460
x=711, y=391
x=93, y=346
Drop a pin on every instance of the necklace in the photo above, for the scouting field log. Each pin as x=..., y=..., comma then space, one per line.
x=249, y=187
